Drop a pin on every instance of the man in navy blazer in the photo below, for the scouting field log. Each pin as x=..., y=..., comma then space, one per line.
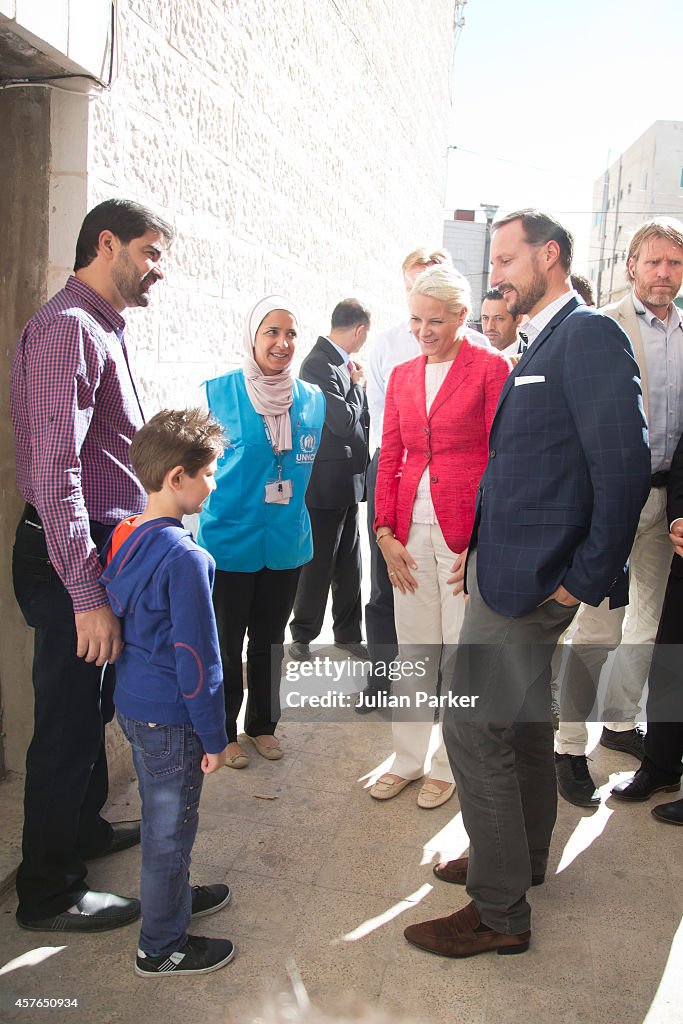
x=336, y=486
x=557, y=510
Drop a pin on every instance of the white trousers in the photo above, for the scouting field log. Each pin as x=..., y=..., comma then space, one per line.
x=596, y=631
x=425, y=620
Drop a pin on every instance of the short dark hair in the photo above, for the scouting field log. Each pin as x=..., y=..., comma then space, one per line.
x=190, y=438
x=349, y=313
x=494, y=295
x=583, y=286
x=540, y=228
x=125, y=219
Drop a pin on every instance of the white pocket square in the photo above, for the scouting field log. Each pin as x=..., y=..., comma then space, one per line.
x=528, y=380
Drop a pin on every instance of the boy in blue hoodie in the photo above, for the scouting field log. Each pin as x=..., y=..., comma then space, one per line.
x=169, y=684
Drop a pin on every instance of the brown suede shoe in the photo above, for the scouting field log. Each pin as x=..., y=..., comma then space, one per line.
x=455, y=871
x=457, y=936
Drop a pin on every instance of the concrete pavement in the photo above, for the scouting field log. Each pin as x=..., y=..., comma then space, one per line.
x=325, y=878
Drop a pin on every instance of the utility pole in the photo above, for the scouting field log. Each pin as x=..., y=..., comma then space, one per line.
x=458, y=26
x=603, y=228
x=490, y=212
x=617, y=229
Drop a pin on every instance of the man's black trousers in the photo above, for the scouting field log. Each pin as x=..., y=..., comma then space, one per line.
x=66, y=764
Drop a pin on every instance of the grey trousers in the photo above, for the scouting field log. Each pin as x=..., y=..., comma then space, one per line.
x=501, y=753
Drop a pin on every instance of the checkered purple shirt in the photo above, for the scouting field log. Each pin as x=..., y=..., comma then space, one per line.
x=74, y=412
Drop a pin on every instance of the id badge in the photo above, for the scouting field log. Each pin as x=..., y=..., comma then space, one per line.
x=278, y=492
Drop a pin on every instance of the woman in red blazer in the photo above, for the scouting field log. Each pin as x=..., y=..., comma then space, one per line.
x=438, y=413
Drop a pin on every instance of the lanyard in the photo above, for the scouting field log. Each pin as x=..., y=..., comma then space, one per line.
x=276, y=451
x=119, y=335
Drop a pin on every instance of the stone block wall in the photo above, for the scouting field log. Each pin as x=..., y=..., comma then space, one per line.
x=297, y=148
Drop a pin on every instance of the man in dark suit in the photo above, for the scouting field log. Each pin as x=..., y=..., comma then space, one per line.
x=661, y=769
x=557, y=510
x=336, y=486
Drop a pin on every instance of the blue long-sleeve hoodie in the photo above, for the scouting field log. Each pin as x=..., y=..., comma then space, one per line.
x=159, y=583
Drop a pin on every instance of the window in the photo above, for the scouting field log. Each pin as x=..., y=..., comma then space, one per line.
x=644, y=184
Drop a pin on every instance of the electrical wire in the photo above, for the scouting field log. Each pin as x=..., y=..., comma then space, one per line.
x=48, y=80
x=669, y=212
x=41, y=85
x=557, y=172
x=519, y=163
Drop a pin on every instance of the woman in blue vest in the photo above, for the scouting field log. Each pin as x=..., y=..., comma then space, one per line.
x=255, y=524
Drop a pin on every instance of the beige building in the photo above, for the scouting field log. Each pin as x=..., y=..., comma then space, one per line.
x=645, y=181
x=464, y=235
x=296, y=147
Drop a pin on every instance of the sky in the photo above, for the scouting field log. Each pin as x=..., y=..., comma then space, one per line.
x=546, y=92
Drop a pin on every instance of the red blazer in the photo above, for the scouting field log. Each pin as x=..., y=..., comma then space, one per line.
x=452, y=441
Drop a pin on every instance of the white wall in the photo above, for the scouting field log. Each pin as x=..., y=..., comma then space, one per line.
x=297, y=147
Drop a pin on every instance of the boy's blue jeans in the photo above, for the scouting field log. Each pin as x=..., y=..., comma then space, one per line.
x=167, y=761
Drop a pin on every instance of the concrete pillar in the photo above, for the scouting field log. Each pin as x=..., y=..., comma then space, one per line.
x=24, y=172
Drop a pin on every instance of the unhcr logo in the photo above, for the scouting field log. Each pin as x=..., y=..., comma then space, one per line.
x=307, y=444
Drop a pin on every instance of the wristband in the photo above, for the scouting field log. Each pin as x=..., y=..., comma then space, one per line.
x=379, y=539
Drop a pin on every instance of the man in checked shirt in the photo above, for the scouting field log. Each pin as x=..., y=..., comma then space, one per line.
x=75, y=410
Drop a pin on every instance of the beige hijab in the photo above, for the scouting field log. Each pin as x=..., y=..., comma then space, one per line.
x=271, y=396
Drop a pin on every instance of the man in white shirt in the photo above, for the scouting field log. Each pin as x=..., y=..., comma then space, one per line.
x=655, y=326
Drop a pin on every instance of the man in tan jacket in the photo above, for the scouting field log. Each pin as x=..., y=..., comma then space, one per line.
x=655, y=326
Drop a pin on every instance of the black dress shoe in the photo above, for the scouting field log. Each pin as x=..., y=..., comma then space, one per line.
x=671, y=813
x=370, y=699
x=643, y=784
x=125, y=834
x=356, y=650
x=94, y=912
x=574, y=780
x=299, y=651
x=629, y=742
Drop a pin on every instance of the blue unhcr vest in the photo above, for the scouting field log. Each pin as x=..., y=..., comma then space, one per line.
x=237, y=526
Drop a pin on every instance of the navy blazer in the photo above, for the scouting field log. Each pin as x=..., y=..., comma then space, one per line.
x=568, y=470
x=338, y=476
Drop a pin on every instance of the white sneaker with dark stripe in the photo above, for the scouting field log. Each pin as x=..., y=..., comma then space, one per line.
x=198, y=956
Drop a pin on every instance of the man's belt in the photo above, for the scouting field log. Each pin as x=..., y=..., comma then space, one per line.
x=32, y=518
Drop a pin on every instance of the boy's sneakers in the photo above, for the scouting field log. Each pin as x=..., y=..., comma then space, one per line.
x=208, y=899
x=198, y=956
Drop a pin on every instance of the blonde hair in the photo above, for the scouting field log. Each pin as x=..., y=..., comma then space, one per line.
x=424, y=257
x=446, y=283
x=661, y=227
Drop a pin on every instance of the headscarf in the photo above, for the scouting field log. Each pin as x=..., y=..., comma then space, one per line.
x=270, y=395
